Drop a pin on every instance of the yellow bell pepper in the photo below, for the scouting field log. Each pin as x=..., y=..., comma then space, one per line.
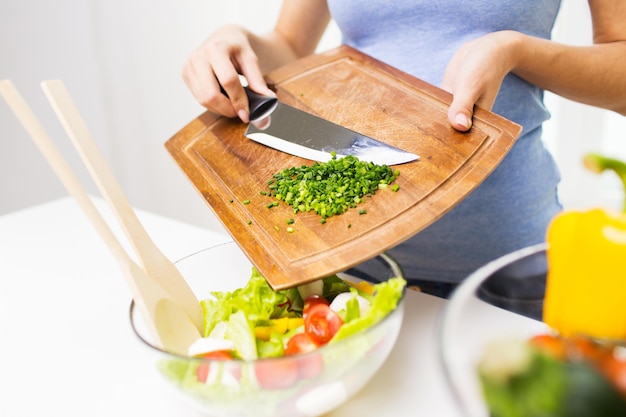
x=586, y=282
x=280, y=326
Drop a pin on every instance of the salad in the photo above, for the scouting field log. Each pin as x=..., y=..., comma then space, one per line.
x=551, y=376
x=250, y=335
x=580, y=369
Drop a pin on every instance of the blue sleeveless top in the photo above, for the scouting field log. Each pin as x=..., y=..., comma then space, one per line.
x=513, y=206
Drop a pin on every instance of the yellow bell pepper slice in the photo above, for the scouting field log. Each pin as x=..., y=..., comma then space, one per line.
x=364, y=286
x=280, y=326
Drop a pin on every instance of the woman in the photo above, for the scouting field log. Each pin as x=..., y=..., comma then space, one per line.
x=496, y=55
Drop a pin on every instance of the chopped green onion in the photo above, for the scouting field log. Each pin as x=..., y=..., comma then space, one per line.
x=330, y=188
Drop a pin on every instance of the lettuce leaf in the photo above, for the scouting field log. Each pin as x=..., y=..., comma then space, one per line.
x=387, y=295
x=241, y=333
x=243, y=309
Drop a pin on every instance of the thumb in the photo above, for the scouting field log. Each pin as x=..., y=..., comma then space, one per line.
x=460, y=114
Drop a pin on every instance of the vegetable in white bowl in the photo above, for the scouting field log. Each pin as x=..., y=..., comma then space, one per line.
x=260, y=357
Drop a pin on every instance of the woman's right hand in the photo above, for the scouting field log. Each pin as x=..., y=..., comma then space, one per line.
x=219, y=61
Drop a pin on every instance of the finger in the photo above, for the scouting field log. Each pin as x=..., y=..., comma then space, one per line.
x=460, y=117
x=461, y=111
x=201, y=80
x=256, y=81
x=227, y=77
x=233, y=90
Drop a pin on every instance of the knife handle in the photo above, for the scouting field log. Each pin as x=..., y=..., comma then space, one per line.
x=260, y=106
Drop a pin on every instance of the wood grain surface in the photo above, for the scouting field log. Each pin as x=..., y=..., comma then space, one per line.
x=363, y=94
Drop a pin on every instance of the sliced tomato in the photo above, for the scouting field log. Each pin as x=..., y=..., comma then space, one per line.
x=224, y=355
x=276, y=374
x=202, y=373
x=311, y=301
x=614, y=369
x=300, y=343
x=308, y=366
x=549, y=344
x=321, y=323
x=584, y=348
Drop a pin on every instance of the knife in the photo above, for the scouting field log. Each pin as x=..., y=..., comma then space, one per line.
x=299, y=133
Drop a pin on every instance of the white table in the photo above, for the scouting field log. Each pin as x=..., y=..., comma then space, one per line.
x=67, y=349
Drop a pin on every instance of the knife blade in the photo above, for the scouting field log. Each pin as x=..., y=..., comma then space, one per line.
x=299, y=133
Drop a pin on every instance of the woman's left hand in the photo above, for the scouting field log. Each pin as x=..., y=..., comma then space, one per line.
x=475, y=73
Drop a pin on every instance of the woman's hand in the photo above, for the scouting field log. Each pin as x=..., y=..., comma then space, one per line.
x=218, y=62
x=475, y=73
x=232, y=51
x=592, y=75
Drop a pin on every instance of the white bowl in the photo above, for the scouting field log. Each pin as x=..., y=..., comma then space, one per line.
x=476, y=316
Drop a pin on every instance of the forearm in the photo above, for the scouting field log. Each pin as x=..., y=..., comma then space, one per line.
x=592, y=75
x=271, y=51
x=300, y=26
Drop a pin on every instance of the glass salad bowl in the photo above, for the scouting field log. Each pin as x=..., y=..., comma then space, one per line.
x=485, y=331
x=304, y=384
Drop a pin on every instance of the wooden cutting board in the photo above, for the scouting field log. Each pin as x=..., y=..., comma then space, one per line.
x=363, y=94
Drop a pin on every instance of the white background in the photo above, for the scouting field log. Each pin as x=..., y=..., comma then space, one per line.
x=121, y=61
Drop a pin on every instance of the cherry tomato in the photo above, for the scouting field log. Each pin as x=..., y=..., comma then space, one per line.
x=224, y=355
x=321, y=323
x=202, y=373
x=308, y=366
x=276, y=374
x=549, y=344
x=615, y=370
x=312, y=300
x=299, y=343
x=584, y=348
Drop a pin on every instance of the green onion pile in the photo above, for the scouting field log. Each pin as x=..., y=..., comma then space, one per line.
x=330, y=188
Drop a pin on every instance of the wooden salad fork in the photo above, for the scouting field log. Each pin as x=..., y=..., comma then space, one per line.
x=172, y=312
